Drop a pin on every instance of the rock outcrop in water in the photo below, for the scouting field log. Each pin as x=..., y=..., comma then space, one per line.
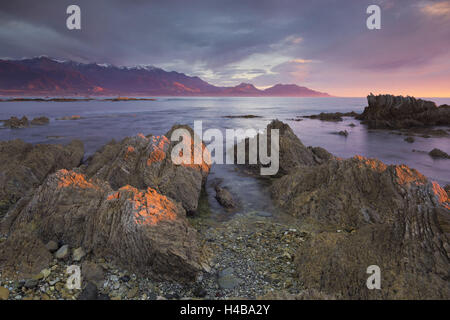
x=292, y=152
x=140, y=229
x=16, y=123
x=364, y=213
x=145, y=161
x=398, y=112
x=24, y=166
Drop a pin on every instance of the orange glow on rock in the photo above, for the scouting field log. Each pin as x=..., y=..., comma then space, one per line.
x=441, y=195
x=73, y=179
x=159, y=144
x=149, y=207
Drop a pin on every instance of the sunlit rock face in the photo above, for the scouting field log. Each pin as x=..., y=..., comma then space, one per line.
x=364, y=213
x=146, y=162
x=398, y=112
x=24, y=166
x=140, y=229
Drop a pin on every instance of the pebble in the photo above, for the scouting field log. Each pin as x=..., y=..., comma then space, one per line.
x=78, y=254
x=52, y=246
x=62, y=252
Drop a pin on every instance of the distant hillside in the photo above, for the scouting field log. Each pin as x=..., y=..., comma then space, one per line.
x=45, y=76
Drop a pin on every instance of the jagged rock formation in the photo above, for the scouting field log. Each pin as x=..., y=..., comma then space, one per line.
x=24, y=166
x=292, y=152
x=145, y=161
x=398, y=112
x=367, y=213
x=140, y=229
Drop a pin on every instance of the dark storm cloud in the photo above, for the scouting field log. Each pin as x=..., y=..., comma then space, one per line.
x=232, y=40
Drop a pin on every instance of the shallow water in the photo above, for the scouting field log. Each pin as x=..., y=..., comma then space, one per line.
x=105, y=120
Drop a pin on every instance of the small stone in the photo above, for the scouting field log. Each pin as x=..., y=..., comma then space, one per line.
x=52, y=246
x=30, y=283
x=133, y=292
x=62, y=252
x=78, y=254
x=409, y=139
x=4, y=293
x=264, y=214
x=228, y=282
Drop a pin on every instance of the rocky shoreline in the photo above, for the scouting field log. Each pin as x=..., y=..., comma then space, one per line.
x=133, y=221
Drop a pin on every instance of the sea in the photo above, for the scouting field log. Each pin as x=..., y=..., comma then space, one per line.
x=101, y=121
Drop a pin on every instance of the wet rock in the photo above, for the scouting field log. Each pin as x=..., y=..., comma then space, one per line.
x=142, y=230
x=409, y=139
x=78, y=254
x=396, y=112
x=386, y=214
x=4, y=293
x=24, y=166
x=437, y=153
x=145, y=161
x=343, y=133
x=62, y=252
x=225, y=198
x=16, y=123
x=40, y=121
x=90, y=292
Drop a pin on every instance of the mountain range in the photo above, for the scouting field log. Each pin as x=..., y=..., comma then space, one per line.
x=46, y=76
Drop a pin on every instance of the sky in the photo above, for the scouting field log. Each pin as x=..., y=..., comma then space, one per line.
x=323, y=44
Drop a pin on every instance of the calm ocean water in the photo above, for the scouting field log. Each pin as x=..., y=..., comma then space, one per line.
x=103, y=121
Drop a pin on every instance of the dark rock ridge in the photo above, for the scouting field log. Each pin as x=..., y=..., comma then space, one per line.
x=145, y=161
x=45, y=76
x=335, y=117
x=398, y=112
x=363, y=212
x=438, y=153
x=24, y=166
x=140, y=229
